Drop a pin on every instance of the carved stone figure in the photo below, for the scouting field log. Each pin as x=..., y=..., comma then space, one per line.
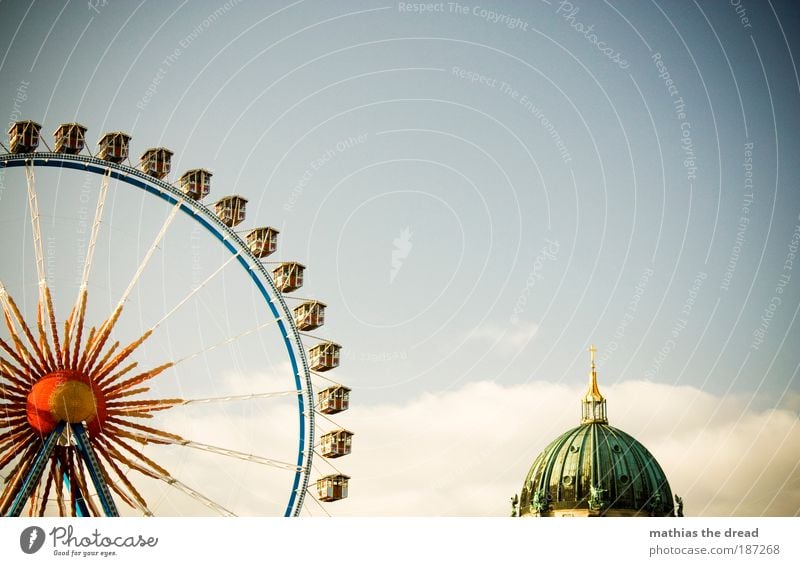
x=678, y=506
x=540, y=502
x=596, y=498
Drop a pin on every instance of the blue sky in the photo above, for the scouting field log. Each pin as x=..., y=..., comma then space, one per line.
x=480, y=194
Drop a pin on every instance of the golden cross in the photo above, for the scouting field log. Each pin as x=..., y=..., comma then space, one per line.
x=592, y=351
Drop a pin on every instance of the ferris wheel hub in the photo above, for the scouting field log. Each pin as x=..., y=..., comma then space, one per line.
x=64, y=396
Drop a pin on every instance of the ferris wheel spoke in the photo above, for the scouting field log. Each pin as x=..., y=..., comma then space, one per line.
x=78, y=327
x=149, y=254
x=14, y=444
x=131, y=392
x=80, y=303
x=59, y=483
x=118, y=375
x=142, y=408
x=107, y=448
x=110, y=352
x=45, y=299
x=112, y=391
x=97, y=340
x=33, y=207
x=12, y=373
x=14, y=379
x=13, y=413
x=49, y=361
x=149, y=468
x=119, y=438
x=247, y=397
x=227, y=341
x=14, y=481
x=12, y=383
x=241, y=456
x=64, y=355
x=98, y=218
x=145, y=434
x=11, y=482
x=51, y=315
x=84, y=357
x=221, y=451
x=16, y=422
x=96, y=345
x=22, y=355
x=120, y=357
x=196, y=289
x=197, y=496
x=132, y=497
x=12, y=403
x=47, y=487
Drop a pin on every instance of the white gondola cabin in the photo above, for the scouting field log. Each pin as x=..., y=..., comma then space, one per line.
x=334, y=399
x=70, y=138
x=113, y=147
x=336, y=443
x=288, y=276
x=324, y=356
x=231, y=210
x=156, y=162
x=309, y=315
x=195, y=183
x=23, y=136
x=333, y=487
x=263, y=241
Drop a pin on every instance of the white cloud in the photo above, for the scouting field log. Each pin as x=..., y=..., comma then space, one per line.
x=466, y=452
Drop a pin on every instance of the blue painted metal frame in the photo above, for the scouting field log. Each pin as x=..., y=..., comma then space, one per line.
x=89, y=458
x=35, y=473
x=249, y=262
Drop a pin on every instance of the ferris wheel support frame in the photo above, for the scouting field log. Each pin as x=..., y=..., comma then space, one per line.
x=252, y=265
x=36, y=471
x=83, y=444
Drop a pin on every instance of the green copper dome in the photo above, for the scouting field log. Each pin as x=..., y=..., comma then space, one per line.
x=596, y=470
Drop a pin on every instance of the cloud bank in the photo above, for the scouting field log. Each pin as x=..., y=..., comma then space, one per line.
x=466, y=452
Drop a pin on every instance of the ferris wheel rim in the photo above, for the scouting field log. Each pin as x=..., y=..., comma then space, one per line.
x=248, y=261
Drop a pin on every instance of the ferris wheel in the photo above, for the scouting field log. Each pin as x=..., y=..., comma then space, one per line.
x=150, y=362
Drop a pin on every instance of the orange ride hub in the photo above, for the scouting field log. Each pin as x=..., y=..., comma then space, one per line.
x=67, y=396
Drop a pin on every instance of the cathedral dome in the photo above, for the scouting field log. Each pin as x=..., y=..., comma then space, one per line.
x=596, y=470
